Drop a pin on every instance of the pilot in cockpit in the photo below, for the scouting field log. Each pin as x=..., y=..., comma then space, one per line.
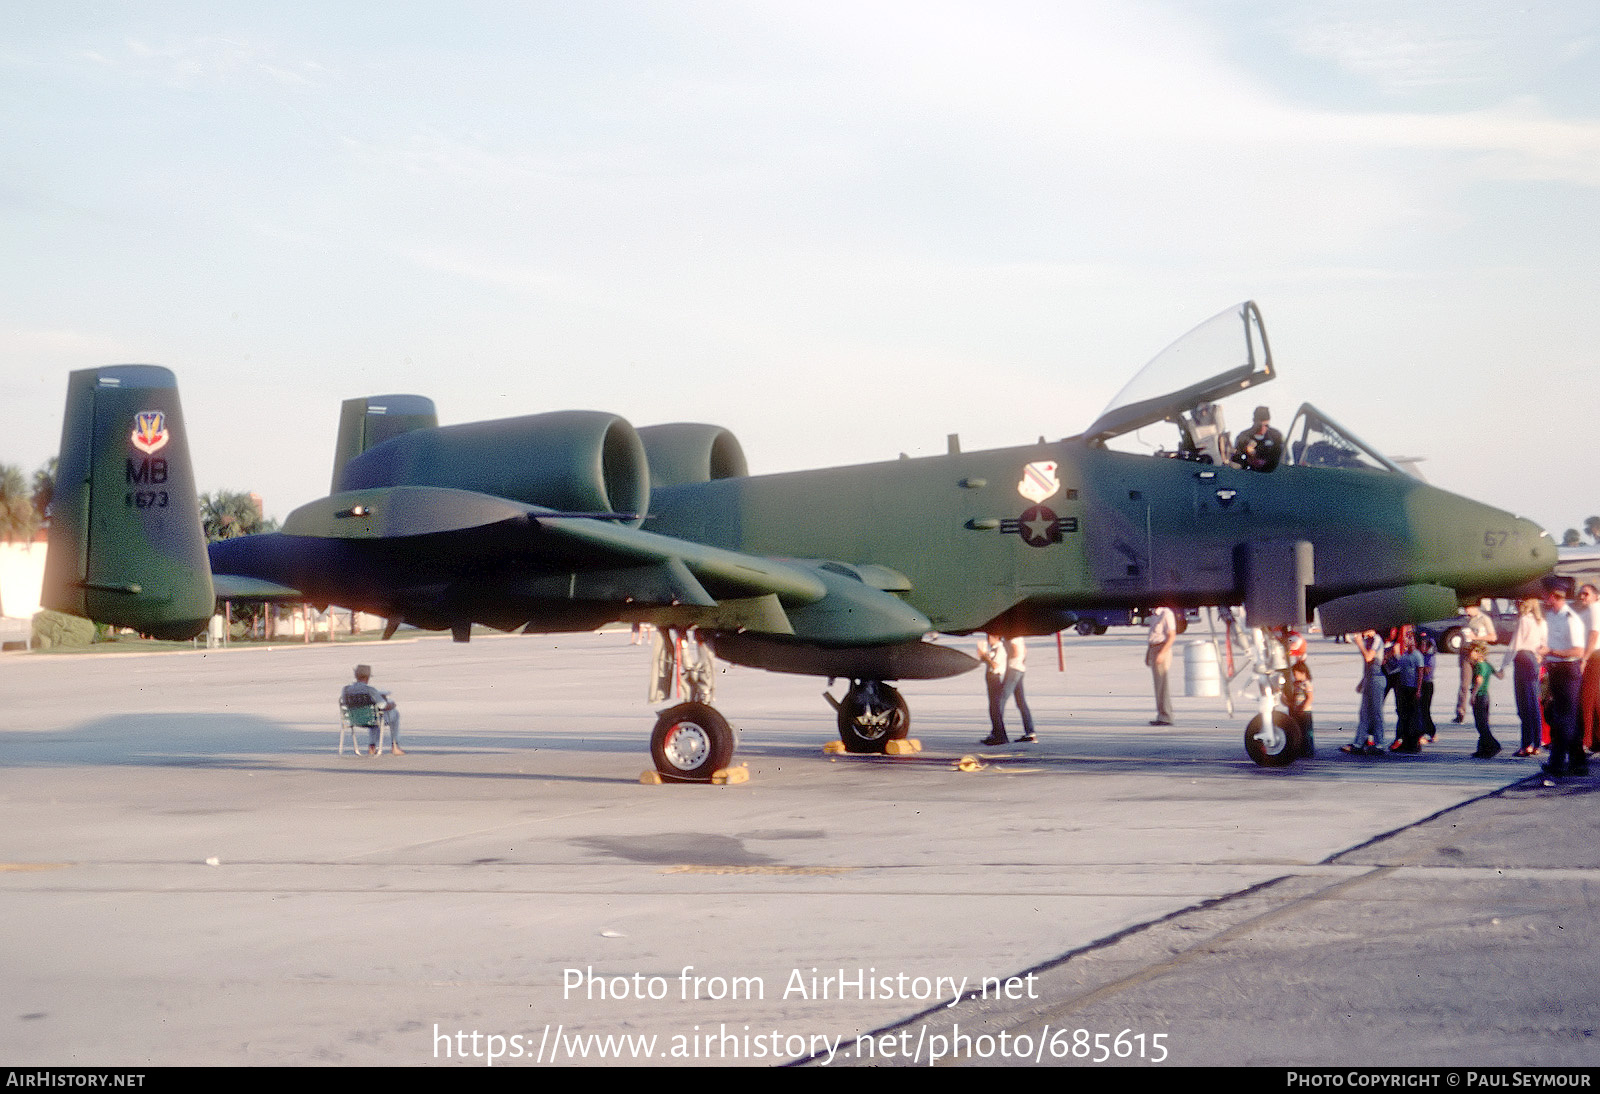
x=1260, y=447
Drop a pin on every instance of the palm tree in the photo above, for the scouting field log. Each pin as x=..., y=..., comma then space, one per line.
x=44, y=488
x=17, y=518
x=226, y=515
x=1570, y=538
x=1591, y=527
x=230, y=513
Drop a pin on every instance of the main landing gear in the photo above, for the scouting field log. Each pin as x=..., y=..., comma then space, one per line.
x=691, y=742
x=871, y=714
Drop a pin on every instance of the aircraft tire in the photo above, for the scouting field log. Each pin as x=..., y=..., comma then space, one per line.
x=691, y=742
x=869, y=737
x=1293, y=741
x=1450, y=642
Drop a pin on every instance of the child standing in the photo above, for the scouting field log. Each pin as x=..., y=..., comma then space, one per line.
x=1487, y=745
x=1430, y=652
x=1300, y=703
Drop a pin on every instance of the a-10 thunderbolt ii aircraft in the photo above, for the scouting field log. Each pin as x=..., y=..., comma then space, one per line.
x=565, y=521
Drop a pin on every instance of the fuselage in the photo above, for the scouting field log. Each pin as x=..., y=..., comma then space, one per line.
x=1101, y=528
x=1120, y=530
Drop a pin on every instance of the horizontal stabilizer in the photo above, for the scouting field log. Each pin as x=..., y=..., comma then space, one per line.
x=235, y=587
x=395, y=512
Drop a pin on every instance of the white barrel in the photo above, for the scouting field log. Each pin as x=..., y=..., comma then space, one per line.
x=1201, y=678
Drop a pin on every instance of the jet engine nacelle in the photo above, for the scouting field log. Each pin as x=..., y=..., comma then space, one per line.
x=684, y=453
x=581, y=461
x=1385, y=608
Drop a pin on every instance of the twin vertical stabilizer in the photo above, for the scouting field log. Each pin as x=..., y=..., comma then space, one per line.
x=126, y=544
x=371, y=420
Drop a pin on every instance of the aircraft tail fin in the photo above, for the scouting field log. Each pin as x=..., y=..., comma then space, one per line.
x=371, y=420
x=126, y=543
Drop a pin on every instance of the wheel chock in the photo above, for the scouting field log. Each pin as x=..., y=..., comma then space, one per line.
x=725, y=776
x=834, y=748
x=907, y=747
x=969, y=763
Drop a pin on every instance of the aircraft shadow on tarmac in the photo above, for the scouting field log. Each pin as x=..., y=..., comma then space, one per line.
x=237, y=740
x=249, y=742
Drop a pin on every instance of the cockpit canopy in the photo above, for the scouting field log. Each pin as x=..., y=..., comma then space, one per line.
x=1316, y=440
x=1223, y=356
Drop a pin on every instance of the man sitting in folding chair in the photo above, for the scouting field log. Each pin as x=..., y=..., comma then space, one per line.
x=362, y=705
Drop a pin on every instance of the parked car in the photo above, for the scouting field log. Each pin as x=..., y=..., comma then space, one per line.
x=1088, y=621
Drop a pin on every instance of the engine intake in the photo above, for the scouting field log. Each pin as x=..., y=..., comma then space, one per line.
x=573, y=460
x=683, y=453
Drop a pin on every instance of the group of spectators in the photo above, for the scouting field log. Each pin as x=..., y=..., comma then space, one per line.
x=1554, y=655
x=1402, y=665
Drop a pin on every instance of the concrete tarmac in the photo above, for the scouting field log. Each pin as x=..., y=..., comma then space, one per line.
x=189, y=874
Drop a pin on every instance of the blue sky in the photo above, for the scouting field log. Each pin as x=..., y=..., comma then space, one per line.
x=843, y=230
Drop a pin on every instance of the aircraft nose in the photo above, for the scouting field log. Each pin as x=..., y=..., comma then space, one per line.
x=1527, y=554
x=1479, y=550
x=1540, y=549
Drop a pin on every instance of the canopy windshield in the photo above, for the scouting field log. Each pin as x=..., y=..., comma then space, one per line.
x=1224, y=355
x=1316, y=440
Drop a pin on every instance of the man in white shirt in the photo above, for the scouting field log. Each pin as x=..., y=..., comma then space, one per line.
x=1478, y=629
x=1158, y=655
x=1589, y=689
x=1563, y=664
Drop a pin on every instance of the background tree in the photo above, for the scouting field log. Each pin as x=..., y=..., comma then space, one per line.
x=1592, y=527
x=44, y=489
x=1571, y=538
x=17, y=518
x=230, y=513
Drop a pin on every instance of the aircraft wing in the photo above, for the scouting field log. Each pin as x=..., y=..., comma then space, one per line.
x=558, y=539
x=511, y=563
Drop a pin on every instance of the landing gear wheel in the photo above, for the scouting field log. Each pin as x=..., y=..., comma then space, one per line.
x=1085, y=627
x=1280, y=753
x=1451, y=642
x=871, y=715
x=691, y=741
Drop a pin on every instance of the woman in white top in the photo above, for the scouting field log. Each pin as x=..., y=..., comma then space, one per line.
x=1527, y=647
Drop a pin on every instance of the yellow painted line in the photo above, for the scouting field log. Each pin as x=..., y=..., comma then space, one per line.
x=7, y=867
